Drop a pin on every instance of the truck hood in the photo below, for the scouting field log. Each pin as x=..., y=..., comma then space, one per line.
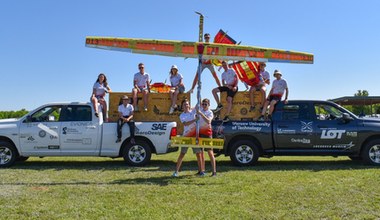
x=371, y=123
x=8, y=120
x=370, y=120
x=8, y=126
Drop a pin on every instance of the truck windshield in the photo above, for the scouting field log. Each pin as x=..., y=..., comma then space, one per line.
x=50, y=113
x=327, y=112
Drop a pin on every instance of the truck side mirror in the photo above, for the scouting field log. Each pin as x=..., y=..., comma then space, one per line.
x=28, y=119
x=51, y=118
x=346, y=118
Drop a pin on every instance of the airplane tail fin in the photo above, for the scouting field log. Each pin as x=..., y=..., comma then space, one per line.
x=200, y=26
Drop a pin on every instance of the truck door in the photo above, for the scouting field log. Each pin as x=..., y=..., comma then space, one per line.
x=331, y=132
x=79, y=134
x=293, y=127
x=39, y=132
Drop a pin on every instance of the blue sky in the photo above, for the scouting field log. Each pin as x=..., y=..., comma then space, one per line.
x=44, y=58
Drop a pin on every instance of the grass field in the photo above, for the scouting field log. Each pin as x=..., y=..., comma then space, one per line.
x=103, y=188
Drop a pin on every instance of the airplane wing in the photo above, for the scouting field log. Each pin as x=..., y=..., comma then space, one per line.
x=189, y=49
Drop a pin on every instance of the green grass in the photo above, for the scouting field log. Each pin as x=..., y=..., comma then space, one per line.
x=103, y=188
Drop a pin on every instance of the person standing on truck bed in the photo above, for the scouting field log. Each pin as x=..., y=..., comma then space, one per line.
x=188, y=119
x=177, y=87
x=206, y=64
x=141, y=83
x=264, y=79
x=229, y=80
x=278, y=88
x=125, y=116
x=99, y=90
x=205, y=131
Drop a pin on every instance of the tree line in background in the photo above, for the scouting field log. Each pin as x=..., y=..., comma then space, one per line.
x=356, y=109
x=13, y=114
x=363, y=109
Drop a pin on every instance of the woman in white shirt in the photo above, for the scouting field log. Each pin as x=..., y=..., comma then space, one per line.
x=99, y=90
x=177, y=87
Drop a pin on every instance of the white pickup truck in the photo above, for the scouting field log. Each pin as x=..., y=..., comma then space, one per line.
x=71, y=129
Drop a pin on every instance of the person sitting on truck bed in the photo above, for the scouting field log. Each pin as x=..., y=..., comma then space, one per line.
x=188, y=119
x=264, y=79
x=125, y=116
x=177, y=87
x=99, y=90
x=141, y=83
x=229, y=81
x=279, y=86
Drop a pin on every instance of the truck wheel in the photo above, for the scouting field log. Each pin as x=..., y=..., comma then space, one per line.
x=244, y=153
x=137, y=154
x=8, y=154
x=371, y=153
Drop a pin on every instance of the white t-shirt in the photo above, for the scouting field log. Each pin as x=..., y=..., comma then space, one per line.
x=175, y=79
x=100, y=89
x=279, y=86
x=265, y=75
x=141, y=79
x=229, y=76
x=204, y=127
x=189, y=130
x=125, y=110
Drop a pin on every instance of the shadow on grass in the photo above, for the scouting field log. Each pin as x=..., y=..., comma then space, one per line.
x=161, y=181
x=167, y=165
x=294, y=165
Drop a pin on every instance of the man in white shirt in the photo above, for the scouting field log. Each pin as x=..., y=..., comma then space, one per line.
x=264, y=79
x=229, y=81
x=125, y=116
x=141, y=83
x=278, y=88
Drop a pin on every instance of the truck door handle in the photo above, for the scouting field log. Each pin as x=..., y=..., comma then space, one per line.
x=53, y=127
x=321, y=126
x=282, y=126
x=91, y=127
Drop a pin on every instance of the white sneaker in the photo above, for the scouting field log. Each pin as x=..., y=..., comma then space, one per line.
x=171, y=110
x=175, y=174
x=145, y=109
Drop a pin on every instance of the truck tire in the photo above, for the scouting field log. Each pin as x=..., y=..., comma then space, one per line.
x=8, y=154
x=371, y=153
x=244, y=153
x=137, y=154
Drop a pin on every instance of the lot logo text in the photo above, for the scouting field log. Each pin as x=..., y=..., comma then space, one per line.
x=332, y=134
